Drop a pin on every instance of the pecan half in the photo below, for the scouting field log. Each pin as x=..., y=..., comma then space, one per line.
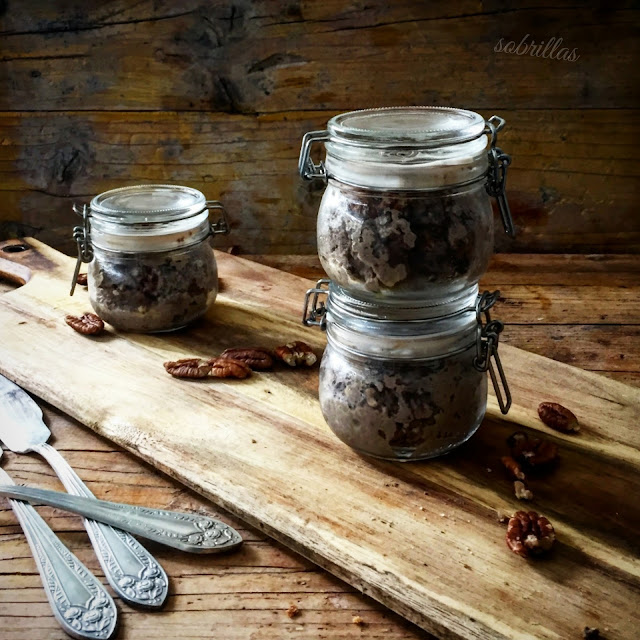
x=512, y=466
x=557, y=417
x=534, y=452
x=228, y=368
x=188, y=368
x=82, y=279
x=529, y=534
x=254, y=357
x=88, y=324
x=296, y=353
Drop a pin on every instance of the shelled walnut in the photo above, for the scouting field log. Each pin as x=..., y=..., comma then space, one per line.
x=89, y=324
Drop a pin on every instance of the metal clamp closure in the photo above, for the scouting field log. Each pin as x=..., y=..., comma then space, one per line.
x=82, y=236
x=487, y=338
x=306, y=167
x=222, y=224
x=316, y=316
x=497, y=176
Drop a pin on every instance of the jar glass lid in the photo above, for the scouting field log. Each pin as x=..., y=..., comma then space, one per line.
x=148, y=203
x=406, y=126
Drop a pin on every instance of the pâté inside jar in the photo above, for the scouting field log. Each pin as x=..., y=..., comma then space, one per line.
x=406, y=212
x=400, y=384
x=151, y=267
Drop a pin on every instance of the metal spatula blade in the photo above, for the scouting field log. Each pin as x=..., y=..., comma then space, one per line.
x=21, y=425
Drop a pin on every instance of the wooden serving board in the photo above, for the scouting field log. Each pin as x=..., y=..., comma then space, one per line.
x=422, y=538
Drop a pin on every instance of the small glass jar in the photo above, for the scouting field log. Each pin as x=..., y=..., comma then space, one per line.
x=151, y=267
x=399, y=384
x=406, y=213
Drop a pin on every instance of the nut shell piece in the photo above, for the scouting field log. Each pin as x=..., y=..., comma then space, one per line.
x=89, y=324
x=557, y=417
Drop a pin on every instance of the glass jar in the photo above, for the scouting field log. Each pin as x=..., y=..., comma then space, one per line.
x=406, y=213
x=151, y=267
x=400, y=383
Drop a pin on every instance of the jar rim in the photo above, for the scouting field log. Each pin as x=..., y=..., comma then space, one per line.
x=148, y=203
x=418, y=126
x=341, y=303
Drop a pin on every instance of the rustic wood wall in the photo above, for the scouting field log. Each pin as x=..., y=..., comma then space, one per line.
x=217, y=95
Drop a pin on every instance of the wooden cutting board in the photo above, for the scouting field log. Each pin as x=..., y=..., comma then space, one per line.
x=422, y=538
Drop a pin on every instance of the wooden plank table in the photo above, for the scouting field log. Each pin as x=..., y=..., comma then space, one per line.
x=577, y=309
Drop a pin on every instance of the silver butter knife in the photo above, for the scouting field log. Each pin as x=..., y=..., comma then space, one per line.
x=184, y=531
x=78, y=600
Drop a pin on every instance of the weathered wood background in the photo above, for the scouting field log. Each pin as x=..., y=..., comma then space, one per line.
x=217, y=95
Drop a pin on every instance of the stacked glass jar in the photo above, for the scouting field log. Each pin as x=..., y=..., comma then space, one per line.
x=405, y=231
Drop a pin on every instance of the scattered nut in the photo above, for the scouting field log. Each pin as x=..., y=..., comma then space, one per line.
x=529, y=534
x=82, y=279
x=522, y=493
x=534, y=452
x=557, y=417
x=296, y=353
x=513, y=467
x=253, y=357
x=293, y=611
x=88, y=324
x=591, y=633
x=188, y=368
x=358, y=620
x=228, y=368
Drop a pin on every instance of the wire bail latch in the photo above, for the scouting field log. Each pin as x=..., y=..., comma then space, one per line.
x=306, y=167
x=487, y=339
x=316, y=315
x=82, y=236
x=499, y=161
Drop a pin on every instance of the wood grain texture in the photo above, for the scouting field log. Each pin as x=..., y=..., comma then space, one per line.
x=217, y=95
x=244, y=595
x=385, y=502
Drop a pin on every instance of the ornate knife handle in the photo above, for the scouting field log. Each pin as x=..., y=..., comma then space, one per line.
x=131, y=570
x=79, y=602
x=184, y=531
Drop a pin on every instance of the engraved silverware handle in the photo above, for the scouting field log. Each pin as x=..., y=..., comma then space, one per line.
x=184, y=531
x=78, y=600
x=131, y=570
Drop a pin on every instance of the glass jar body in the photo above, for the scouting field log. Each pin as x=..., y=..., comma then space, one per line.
x=395, y=246
x=401, y=409
x=148, y=292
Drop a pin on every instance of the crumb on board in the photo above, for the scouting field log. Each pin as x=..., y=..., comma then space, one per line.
x=358, y=620
x=293, y=611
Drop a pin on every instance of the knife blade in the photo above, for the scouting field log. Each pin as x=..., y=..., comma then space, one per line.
x=134, y=574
